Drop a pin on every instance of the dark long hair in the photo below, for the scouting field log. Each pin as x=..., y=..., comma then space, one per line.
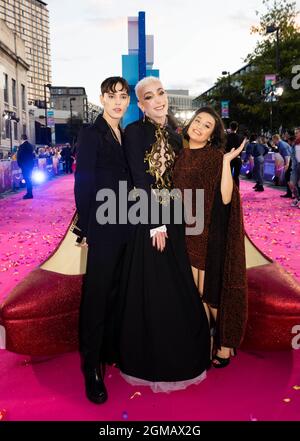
x=218, y=137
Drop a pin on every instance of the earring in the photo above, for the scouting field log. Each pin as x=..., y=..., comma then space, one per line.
x=144, y=117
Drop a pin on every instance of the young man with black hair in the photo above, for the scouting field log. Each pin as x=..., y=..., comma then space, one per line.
x=101, y=164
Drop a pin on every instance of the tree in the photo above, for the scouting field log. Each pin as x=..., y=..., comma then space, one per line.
x=228, y=89
x=279, y=14
x=247, y=104
x=282, y=14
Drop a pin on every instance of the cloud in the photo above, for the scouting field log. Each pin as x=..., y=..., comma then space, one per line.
x=242, y=20
x=194, y=85
x=202, y=80
x=72, y=59
x=192, y=42
x=95, y=5
x=186, y=84
x=111, y=23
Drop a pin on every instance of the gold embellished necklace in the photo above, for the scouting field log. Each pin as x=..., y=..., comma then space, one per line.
x=160, y=158
x=156, y=124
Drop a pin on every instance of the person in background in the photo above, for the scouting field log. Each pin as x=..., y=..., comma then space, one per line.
x=258, y=151
x=67, y=155
x=234, y=140
x=285, y=152
x=295, y=173
x=55, y=160
x=25, y=162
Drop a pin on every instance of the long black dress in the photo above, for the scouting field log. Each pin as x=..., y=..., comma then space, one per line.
x=164, y=334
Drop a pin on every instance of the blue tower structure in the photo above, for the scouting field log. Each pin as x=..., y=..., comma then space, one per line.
x=139, y=61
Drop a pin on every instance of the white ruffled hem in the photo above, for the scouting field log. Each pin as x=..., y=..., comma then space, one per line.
x=164, y=386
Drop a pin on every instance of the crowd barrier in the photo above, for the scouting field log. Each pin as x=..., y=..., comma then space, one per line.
x=273, y=167
x=11, y=175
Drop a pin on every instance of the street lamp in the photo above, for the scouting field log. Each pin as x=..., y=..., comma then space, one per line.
x=45, y=97
x=10, y=116
x=71, y=117
x=226, y=73
x=278, y=90
x=269, y=30
x=225, y=103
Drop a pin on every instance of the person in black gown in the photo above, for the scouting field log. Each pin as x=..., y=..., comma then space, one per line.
x=164, y=333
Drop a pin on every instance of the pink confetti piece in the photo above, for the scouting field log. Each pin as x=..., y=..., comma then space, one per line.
x=136, y=394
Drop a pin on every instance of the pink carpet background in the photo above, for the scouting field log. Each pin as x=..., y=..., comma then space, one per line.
x=255, y=386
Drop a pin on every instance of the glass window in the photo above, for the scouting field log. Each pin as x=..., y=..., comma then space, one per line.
x=78, y=91
x=15, y=130
x=14, y=92
x=23, y=97
x=7, y=128
x=5, y=88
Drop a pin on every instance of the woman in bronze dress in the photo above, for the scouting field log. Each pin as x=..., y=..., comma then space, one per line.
x=217, y=255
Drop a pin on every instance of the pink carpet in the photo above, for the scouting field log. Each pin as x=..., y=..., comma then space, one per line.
x=256, y=386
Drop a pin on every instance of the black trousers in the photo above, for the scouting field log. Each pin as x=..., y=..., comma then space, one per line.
x=98, y=311
x=287, y=177
x=68, y=165
x=236, y=165
x=26, y=172
x=258, y=170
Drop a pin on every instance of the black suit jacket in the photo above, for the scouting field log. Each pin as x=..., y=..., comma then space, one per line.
x=234, y=140
x=25, y=156
x=100, y=164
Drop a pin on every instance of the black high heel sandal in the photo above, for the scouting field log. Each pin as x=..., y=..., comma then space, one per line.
x=223, y=362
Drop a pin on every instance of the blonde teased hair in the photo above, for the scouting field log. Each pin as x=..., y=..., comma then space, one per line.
x=142, y=83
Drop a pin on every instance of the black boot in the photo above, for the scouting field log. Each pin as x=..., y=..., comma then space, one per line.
x=94, y=385
x=286, y=195
x=28, y=196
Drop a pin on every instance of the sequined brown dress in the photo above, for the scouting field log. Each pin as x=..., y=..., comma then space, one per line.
x=219, y=250
x=200, y=169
